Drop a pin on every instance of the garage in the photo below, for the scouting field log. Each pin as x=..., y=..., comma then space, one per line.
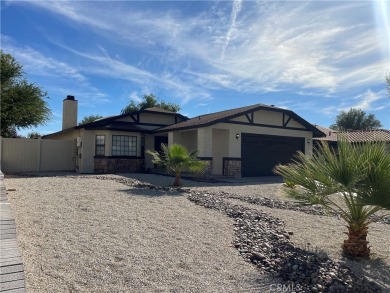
x=261, y=153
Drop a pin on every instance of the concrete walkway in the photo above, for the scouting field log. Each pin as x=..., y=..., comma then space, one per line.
x=11, y=263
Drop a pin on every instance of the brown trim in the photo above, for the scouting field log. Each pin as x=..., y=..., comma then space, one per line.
x=266, y=125
x=113, y=118
x=231, y=158
x=309, y=127
x=250, y=119
x=284, y=120
x=118, y=157
x=205, y=158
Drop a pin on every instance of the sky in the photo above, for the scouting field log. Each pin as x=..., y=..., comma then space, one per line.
x=314, y=58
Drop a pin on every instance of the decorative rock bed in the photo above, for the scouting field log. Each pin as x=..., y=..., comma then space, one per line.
x=262, y=240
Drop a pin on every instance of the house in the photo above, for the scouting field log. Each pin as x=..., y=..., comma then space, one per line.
x=247, y=141
x=354, y=136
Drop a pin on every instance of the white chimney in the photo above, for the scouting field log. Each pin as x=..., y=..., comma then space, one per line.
x=69, y=112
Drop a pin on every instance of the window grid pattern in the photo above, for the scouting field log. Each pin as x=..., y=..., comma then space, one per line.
x=100, y=145
x=123, y=145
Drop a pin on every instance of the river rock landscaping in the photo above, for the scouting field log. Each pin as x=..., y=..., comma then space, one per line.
x=259, y=238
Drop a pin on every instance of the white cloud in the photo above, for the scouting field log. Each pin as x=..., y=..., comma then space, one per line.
x=368, y=101
x=236, y=7
x=275, y=46
x=36, y=63
x=368, y=98
x=135, y=97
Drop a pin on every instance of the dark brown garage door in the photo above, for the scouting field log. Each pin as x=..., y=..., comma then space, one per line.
x=261, y=153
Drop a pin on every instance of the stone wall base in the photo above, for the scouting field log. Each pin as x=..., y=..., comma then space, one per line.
x=119, y=165
x=232, y=167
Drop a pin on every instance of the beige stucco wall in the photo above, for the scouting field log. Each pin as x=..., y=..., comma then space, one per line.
x=69, y=113
x=219, y=140
x=149, y=145
x=88, y=147
x=189, y=139
x=220, y=148
x=173, y=138
x=269, y=118
x=235, y=144
x=86, y=151
x=205, y=142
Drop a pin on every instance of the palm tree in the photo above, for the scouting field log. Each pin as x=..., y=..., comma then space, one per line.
x=177, y=159
x=358, y=174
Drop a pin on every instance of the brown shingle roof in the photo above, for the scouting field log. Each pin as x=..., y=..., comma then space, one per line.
x=356, y=135
x=214, y=118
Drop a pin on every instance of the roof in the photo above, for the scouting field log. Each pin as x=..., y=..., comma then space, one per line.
x=218, y=117
x=356, y=135
x=331, y=135
x=150, y=110
x=109, y=123
x=159, y=110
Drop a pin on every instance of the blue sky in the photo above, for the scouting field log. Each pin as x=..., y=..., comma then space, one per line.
x=314, y=58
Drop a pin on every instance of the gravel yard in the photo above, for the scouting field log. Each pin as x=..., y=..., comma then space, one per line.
x=87, y=234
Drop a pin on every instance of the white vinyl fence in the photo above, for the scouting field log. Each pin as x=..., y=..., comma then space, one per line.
x=36, y=155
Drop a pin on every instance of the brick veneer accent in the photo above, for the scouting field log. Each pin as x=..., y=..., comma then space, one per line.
x=118, y=165
x=232, y=167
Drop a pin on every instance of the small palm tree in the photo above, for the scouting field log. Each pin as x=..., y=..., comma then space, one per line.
x=358, y=174
x=177, y=159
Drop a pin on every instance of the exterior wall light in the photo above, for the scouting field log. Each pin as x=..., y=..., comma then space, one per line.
x=308, y=140
x=237, y=136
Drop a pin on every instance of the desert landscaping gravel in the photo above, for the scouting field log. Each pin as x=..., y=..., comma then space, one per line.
x=122, y=234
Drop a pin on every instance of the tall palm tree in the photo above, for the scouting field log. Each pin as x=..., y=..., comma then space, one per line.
x=177, y=159
x=358, y=174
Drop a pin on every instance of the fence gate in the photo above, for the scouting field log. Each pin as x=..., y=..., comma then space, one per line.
x=36, y=155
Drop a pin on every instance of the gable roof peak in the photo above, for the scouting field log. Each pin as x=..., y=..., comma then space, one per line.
x=225, y=115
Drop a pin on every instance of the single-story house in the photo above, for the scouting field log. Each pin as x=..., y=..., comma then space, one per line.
x=246, y=141
x=353, y=136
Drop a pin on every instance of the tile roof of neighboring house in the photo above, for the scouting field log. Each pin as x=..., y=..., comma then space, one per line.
x=214, y=118
x=331, y=135
x=356, y=135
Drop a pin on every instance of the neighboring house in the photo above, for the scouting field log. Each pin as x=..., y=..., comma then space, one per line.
x=247, y=141
x=353, y=136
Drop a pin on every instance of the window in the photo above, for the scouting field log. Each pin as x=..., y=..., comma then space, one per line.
x=100, y=145
x=123, y=145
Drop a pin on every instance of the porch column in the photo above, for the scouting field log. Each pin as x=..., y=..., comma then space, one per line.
x=173, y=138
x=205, y=142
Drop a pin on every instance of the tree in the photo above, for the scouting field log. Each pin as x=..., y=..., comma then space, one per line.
x=90, y=118
x=355, y=119
x=177, y=159
x=354, y=182
x=388, y=83
x=22, y=103
x=34, y=135
x=149, y=101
